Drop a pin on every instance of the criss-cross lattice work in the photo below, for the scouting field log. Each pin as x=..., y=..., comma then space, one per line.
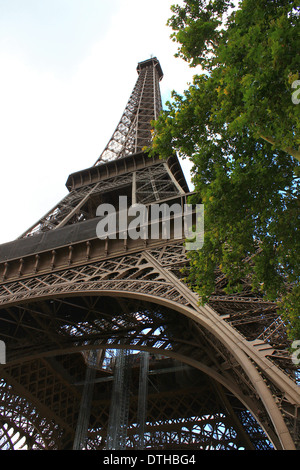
x=152, y=184
x=59, y=322
x=133, y=132
x=218, y=376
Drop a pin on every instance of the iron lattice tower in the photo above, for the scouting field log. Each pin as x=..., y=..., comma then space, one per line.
x=85, y=318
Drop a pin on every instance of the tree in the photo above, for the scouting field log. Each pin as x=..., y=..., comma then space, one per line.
x=240, y=127
x=253, y=59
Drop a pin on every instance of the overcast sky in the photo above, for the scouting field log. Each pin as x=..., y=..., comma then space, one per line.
x=67, y=71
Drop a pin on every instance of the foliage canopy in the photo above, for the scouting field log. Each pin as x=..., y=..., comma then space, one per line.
x=239, y=125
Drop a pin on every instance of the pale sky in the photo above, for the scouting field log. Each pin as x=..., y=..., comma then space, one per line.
x=68, y=68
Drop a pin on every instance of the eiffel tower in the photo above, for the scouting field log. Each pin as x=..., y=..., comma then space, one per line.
x=105, y=345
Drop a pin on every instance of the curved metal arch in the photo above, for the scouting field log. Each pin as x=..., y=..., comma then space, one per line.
x=205, y=317
x=196, y=364
x=12, y=418
x=168, y=295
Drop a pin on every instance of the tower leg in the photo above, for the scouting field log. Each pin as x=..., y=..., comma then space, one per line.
x=86, y=403
x=119, y=408
x=142, y=401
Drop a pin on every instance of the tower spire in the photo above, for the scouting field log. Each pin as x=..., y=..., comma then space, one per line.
x=133, y=132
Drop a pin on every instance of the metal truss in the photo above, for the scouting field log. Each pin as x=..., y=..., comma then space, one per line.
x=119, y=406
x=191, y=415
x=133, y=132
x=218, y=376
x=140, y=273
x=150, y=184
x=48, y=313
x=23, y=424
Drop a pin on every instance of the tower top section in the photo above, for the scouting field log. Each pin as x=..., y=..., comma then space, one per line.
x=153, y=62
x=133, y=132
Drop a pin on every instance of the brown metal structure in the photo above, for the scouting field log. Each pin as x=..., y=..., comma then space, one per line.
x=107, y=347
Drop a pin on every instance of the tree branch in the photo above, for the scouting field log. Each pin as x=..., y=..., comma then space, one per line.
x=294, y=153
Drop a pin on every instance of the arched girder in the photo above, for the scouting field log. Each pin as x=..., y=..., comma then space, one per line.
x=167, y=295
x=179, y=358
x=204, y=318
